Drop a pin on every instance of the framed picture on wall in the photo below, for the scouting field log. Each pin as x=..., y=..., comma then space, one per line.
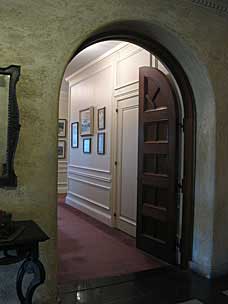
x=86, y=118
x=101, y=143
x=61, y=149
x=62, y=123
x=87, y=145
x=74, y=135
x=101, y=119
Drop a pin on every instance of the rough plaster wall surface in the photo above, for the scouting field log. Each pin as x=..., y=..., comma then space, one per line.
x=42, y=36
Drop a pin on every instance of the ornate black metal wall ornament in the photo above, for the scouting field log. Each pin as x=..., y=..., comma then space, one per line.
x=8, y=177
x=218, y=6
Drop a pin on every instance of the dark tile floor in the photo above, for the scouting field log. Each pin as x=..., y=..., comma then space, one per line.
x=160, y=286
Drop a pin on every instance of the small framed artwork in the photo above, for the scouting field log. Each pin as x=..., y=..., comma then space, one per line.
x=87, y=145
x=101, y=143
x=86, y=118
x=61, y=149
x=101, y=119
x=62, y=123
x=74, y=135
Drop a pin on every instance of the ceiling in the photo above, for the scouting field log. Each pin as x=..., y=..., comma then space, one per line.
x=85, y=56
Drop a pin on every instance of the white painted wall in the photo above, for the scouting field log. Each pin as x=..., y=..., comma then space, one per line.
x=62, y=163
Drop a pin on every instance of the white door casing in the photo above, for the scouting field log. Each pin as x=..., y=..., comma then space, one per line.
x=127, y=164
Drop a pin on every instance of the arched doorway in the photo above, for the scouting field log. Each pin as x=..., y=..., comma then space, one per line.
x=120, y=33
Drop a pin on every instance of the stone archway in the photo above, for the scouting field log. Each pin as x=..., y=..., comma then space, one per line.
x=192, y=78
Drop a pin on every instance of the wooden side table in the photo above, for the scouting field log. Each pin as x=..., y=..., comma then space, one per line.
x=26, y=246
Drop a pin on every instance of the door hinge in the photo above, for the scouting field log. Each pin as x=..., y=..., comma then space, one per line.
x=114, y=214
x=179, y=243
x=180, y=185
x=116, y=163
x=117, y=110
x=181, y=125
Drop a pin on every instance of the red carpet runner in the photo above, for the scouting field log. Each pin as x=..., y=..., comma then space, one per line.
x=89, y=249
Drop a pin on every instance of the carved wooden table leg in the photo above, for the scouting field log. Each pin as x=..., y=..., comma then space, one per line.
x=34, y=266
x=23, y=245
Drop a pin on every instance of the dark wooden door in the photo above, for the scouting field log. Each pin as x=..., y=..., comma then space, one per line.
x=157, y=165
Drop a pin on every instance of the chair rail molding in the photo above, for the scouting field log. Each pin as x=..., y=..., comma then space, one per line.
x=90, y=169
x=91, y=176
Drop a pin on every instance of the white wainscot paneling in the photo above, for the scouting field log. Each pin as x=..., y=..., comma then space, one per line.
x=127, y=70
x=90, y=193
x=95, y=192
x=62, y=176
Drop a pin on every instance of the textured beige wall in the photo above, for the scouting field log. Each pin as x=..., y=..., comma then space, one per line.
x=41, y=36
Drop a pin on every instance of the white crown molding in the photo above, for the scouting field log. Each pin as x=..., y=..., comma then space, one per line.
x=105, y=55
x=130, y=54
x=76, y=80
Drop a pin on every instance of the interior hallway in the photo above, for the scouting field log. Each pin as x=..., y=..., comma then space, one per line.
x=89, y=249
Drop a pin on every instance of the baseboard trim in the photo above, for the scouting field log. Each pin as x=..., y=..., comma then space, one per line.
x=97, y=214
x=209, y=272
x=89, y=201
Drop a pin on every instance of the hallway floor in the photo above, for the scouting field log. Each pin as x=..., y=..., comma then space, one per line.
x=89, y=249
x=165, y=285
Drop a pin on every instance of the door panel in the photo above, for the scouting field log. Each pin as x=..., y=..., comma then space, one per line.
x=127, y=165
x=157, y=166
